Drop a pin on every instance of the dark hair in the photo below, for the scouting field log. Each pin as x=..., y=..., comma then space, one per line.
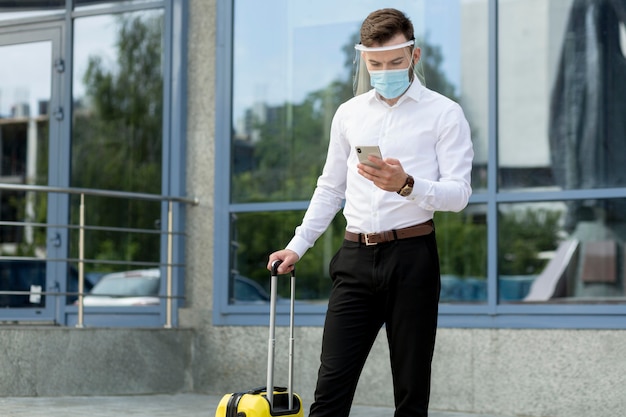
x=382, y=25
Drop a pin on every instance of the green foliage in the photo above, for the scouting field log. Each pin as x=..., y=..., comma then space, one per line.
x=522, y=236
x=258, y=234
x=462, y=243
x=292, y=150
x=117, y=141
x=435, y=78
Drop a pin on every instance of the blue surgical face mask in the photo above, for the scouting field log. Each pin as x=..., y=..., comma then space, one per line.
x=390, y=83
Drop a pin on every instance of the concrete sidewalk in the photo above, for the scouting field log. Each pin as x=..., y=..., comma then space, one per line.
x=179, y=405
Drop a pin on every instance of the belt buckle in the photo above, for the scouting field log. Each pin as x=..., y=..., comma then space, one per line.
x=367, y=239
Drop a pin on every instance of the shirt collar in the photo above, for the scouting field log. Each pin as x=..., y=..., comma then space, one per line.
x=414, y=92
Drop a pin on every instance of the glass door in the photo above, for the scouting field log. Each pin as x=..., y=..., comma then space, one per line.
x=30, y=124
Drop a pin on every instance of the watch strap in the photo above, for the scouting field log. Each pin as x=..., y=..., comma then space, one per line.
x=407, y=187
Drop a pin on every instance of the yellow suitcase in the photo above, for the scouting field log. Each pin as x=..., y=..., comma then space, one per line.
x=260, y=402
x=254, y=403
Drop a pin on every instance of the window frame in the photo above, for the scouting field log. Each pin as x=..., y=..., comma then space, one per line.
x=487, y=315
x=173, y=171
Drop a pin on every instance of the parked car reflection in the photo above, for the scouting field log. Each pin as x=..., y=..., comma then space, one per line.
x=129, y=288
x=249, y=291
x=141, y=288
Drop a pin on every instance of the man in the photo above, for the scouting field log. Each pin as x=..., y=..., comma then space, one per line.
x=387, y=270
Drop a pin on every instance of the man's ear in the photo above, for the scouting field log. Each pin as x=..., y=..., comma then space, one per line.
x=417, y=53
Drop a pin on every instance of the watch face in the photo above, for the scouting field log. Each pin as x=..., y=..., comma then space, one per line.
x=408, y=186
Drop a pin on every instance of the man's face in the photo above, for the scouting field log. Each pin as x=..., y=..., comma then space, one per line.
x=394, y=59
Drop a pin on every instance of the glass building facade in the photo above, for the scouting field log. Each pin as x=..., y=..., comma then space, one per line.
x=95, y=98
x=542, y=85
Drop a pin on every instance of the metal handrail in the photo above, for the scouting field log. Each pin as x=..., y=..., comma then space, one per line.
x=74, y=293
x=102, y=193
x=89, y=261
x=82, y=227
x=75, y=227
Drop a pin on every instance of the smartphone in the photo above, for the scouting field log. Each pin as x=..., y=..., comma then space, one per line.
x=364, y=151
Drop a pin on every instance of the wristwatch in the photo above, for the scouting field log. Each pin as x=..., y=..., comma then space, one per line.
x=407, y=188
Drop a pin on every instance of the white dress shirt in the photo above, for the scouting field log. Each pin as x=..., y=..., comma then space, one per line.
x=425, y=131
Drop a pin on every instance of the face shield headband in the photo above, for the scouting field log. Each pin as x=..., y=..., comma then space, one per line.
x=362, y=81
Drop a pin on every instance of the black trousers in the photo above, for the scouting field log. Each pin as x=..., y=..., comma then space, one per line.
x=395, y=284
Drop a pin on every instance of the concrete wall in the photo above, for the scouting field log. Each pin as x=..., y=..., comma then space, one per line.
x=538, y=373
x=534, y=373
x=554, y=373
x=62, y=361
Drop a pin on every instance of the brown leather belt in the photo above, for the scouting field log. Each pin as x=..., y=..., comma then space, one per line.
x=375, y=238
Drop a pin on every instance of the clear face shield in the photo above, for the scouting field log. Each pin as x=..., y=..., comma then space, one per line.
x=389, y=69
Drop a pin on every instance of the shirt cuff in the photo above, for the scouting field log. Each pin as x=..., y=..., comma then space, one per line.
x=298, y=245
x=422, y=189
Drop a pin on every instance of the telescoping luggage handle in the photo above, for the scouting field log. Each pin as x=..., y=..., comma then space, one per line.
x=272, y=335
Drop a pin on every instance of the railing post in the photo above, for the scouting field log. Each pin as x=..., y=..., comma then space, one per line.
x=81, y=263
x=168, y=268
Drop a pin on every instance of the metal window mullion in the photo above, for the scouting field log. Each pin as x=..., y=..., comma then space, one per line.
x=223, y=141
x=492, y=164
